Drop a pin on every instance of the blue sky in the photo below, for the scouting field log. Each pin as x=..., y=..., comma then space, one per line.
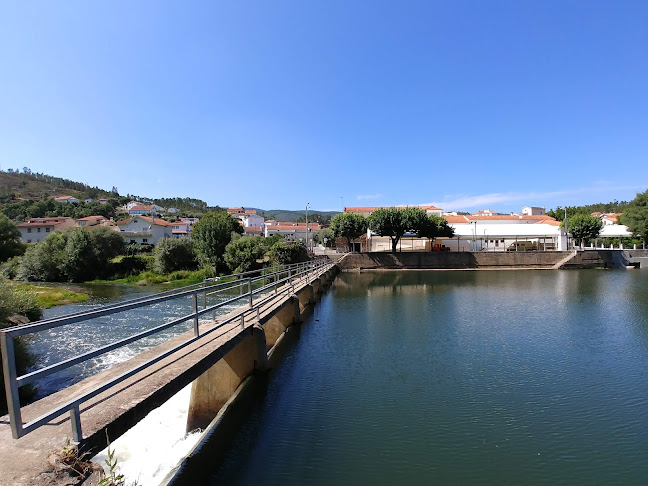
x=463, y=104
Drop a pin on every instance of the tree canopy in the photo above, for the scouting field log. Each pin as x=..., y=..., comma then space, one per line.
x=583, y=227
x=349, y=226
x=212, y=234
x=10, y=244
x=635, y=217
x=392, y=222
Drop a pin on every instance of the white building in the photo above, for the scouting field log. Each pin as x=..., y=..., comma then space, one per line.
x=292, y=231
x=181, y=229
x=143, y=229
x=533, y=211
x=36, y=229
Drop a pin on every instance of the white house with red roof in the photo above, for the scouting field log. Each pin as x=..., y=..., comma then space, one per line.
x=144, y=229
x=36, y=229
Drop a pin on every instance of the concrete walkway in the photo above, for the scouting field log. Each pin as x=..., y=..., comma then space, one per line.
x=30, y=460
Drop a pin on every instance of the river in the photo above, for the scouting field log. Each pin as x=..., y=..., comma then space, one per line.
x=459, y=377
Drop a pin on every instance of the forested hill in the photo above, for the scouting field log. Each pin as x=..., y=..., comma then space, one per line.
x=34, y=185
x=292, y=216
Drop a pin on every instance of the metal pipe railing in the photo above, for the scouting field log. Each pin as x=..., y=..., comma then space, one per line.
x=283, y=277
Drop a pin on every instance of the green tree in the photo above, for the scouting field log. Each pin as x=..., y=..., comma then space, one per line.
x=174, y=254
x=88, y=252
x=435, y=227
x=283, y=252
x=212, y=234
x=245, y=254
x=583, y=227
x=635, y=217
x=325, y=237
x=44, y=261
x=392, y=222
x=349, y=226
x=10, y=244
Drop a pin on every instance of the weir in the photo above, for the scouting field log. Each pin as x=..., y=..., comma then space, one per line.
x=216, y=357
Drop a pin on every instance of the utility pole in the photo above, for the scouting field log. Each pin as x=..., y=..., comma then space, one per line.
x=307, y=225
x=566, y=230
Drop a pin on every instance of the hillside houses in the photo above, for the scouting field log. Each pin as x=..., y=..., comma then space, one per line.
x=37, y=229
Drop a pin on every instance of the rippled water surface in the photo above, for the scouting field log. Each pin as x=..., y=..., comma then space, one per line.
x=491, y=377
x=69, y=341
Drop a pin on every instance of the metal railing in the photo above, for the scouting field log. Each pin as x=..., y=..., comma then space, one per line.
x=269, y=281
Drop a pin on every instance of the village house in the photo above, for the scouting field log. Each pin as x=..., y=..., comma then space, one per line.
x=292, y=231
x=91, y=221
x=36, y=229
x=67, y=199
x=143, y=229
x=181, y=229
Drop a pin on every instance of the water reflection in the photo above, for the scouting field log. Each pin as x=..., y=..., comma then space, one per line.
x=490, y=377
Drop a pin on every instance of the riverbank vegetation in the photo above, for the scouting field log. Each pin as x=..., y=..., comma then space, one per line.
x=18, y=306
x=99, y=254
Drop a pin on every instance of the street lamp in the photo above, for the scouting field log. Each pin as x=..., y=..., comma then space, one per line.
x=307, y=204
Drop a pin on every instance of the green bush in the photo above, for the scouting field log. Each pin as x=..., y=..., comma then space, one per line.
x=10, y=268
x=245, y=254
x=288, y=252
x=18, y=302
x=174, y=254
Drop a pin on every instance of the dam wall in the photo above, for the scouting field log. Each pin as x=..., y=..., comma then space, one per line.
x=223, y=396
x=451, y=260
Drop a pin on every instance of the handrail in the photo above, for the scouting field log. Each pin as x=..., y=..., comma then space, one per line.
x=280, y=278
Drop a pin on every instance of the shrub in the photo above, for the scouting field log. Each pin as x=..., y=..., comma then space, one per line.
x=17, y=302
x=175, y=254
x=245, y=253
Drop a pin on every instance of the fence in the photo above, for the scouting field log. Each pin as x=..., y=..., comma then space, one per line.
x=268, y=281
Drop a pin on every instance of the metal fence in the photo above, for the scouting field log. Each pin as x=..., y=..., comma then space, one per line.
x=269, y=281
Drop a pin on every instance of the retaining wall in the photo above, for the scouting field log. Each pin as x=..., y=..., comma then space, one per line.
x=451, y=260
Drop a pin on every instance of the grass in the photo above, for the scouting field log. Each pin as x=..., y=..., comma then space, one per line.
x=180, y=278
x=51, y=296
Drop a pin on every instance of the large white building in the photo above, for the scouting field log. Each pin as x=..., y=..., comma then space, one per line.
x=143, y=229
x=37, y=229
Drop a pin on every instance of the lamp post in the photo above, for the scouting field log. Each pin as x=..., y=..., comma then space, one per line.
x=566, y=230
x=307, y=204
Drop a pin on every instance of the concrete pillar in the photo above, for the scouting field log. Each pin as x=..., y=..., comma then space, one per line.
x=212, y=389
x=306, y=297
x=281, y=320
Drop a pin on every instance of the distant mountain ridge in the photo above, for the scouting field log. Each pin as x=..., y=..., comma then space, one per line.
x=291, y=215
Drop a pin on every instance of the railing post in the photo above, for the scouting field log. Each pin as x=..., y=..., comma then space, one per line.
x=75, y=420
x=250, y=291
x=11, y=387
x=204, y=295
x=194, y=299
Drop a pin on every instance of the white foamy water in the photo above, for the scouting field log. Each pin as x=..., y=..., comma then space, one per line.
x=147, y=452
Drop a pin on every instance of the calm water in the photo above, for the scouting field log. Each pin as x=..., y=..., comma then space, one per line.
x=491, y=377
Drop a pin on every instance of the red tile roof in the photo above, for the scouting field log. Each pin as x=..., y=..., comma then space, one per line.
x=141, y=208
x=44, y=222
x=91, y=218
x=158, y=221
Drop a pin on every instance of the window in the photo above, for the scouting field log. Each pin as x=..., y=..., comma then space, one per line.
x=29, y=231
x=28, y=241
x=38, y=230
x=144, y=240
x=133, y=241
x=47, y=230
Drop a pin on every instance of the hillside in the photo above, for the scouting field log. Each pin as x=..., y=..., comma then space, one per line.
x=29, y=185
